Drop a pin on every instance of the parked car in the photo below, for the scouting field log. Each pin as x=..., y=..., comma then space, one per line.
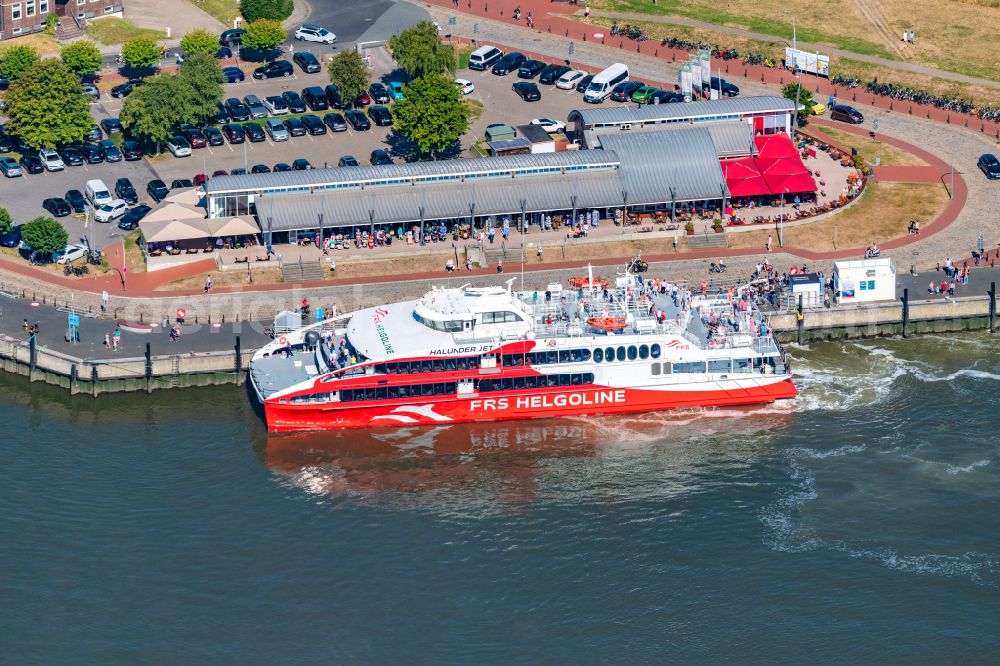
x=315, y=98
x=665, y=97
x=110, y=150
x=380, y=157
x=641, y=95
x=195, y=137
x=71, y=155
x=347, y=160
x=508, y=63
x=989, y=165
x=380, y=115
x=551, y=74
x=57, y=207
x=181, y=183
x=301, y=164
x=240, y=171
x=273, y=70
x=199, y=179
x=333, y=97
x=219, y=172
x=529, y=69
x=623, y=91
x=527, y=91
x=255, y=133
x=6, y=142
x=221, y=116
x=313, y=124
x=131, y=150
x=364, y=99
x=223, y=53
x=31, y=164
x=295, y=102
x=9, y=167
x=232, y=37
x=130, y=220
x=51, y=160
x=233, y=74
x=111, y=126
x=255, y=107
x=157, y=189
x=465, y=86
x=214, y=137
x=396, y=89
x=91, y=90
x=357, y=120
x=335, y=122
x=306, y=61
x=281, y=167
x=549, y=125
x=93, y=135
x=76, y=200
x=238, y=111
x=125, y=191
x=379, y=93
x=70, y=254
x=123, y=89
x=276, y=105
x=12, y=238
x=276, y=130
x=584, y=83
x=728, y=89
x=92, y=154
x=179, y=146
x=569, y=80
x=260, y=168
x=234, y=133
x=847, y=114
x=111, y=211
x=295, y=127
x=310, y=32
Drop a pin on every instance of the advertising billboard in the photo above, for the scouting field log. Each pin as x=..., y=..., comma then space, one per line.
x=807, y=61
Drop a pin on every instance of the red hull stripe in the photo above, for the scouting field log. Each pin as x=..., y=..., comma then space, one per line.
x=510, y=405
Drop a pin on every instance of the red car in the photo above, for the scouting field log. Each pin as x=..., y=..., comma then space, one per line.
x=196, y=138
x=364, y=99
x=199, y=179
x=219, y=172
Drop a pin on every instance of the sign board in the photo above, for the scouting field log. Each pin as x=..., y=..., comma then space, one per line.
x=73, y=319
x=181, y=313
x=807, y=61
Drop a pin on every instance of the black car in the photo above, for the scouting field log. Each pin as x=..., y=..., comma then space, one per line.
x=347, y=160
x=254, y=132
x=282, y=166
x=238, y=172
x=93, y=135
x=123, y=89
x=665, y=97
x=92, y=154
x=584, y=82
x=552, y=73
x=233, y=74
x=313, y=125
x=260, y=168
x=623, y=91
x=301, y=165
x=31, y=164
x=307, y=61
x=333, y=96
x=238, y=111
x=12, y=238
x=76, y=200
x=380, y=157
x=6, y=143
x=157, y=189
x=295, y=127
x=112, y=126
x=847, y=114
x=728, y=89
x=223, y=53
x=357, y=120
x=379, y=93
x=181, y=183
x=131, y=150
x=58, y=207
x=71, y=155
x=529, y=69
x=294, y=101
x=989, y=165
x=110, y=150
x=232, y=37
x=380, y=115
x=273, y=70
x=527, y=91
x=315, y=98
x=234, y=133
x=508, y=63
x=130, y=220
x=214, y=136
x=221, y=116
x=124, y=190
x=335, y=122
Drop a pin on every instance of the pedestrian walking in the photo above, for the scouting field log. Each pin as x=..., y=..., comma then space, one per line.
x=499, y=266
x=769, y=242
x=116, y=339
x=468, y=264
x=586, y=12
x=208, y=284
x=539, y=252
x=107, y=341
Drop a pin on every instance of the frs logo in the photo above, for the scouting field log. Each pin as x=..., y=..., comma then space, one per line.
x=677, y=344
x=380, y=314
x=400, y=414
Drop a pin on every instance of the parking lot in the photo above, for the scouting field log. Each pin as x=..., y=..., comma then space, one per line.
x=23, y=196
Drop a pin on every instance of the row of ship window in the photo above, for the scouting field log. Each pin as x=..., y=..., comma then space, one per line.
x=696, y=367
x=450, y=388
x=600, y=355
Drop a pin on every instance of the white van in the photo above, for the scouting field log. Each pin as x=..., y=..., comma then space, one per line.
x=602, y=84
x=97, y=193
x=483, y=57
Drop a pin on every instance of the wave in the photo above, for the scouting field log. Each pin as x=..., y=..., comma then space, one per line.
x=955, y=471
x=804, y=452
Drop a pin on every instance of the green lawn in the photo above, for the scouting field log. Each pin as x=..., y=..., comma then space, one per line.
x=475, y=109
x=224, y=10
x=114, y=30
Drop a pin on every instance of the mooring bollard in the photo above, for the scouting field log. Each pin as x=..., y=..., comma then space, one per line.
x=993, y=307
x=906, y=312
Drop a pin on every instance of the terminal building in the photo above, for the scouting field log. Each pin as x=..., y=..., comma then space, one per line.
x=654, y=158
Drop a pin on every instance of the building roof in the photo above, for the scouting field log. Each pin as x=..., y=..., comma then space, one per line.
x=534, y=133
x=732, y=138
x=652, y=113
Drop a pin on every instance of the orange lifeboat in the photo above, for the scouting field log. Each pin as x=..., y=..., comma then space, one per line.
x=599, y=282
x=607, y=323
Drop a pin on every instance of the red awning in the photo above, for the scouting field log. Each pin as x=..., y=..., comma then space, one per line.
x=743, y=179
x=781, y=165
x=791, y=184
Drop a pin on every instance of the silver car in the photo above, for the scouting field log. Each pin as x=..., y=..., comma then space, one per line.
x=276, y=130
x=257, y=109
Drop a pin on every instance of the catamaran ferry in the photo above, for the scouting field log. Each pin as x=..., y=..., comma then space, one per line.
x=490, y=353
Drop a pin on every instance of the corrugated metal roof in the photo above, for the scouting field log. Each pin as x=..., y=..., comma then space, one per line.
x=675, y=112
x=320, y=177
x=732, y=138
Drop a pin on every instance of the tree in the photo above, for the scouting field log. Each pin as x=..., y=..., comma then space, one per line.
x=205, y=83
x=6, y=221
x=47, y=106
x=277, y=10
x=151, y=112
x=805, y=98
x=263, y=34
x=349, y=73
x=16, y=61
x=419, y=51
x=199, y=41
x=82, y=57
x=44, y=235
x=141, y=52
x=431, y=114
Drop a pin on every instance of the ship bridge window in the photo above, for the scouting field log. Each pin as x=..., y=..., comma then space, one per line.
x=741, y=365
x=719, y=366
x=448, y=326
x=505, y=317
x=692, y=367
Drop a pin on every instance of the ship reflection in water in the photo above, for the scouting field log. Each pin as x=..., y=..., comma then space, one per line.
x=481, y=468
